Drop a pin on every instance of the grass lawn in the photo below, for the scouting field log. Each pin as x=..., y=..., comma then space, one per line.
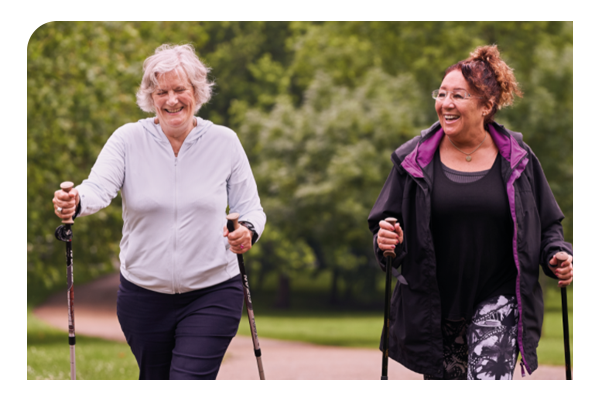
x=48, y=355
x=551, y=350
x=347, y=330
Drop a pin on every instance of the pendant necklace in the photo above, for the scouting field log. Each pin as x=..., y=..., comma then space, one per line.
x=468, y=158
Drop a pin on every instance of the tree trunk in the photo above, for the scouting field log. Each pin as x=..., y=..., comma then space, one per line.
x=348, y=298
x=283, y=292
x=334, y=295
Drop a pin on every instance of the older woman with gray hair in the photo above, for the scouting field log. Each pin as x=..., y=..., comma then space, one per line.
x=180, y=297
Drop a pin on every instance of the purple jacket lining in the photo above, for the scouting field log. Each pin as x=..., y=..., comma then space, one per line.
x=511, y=199
x=508, y=147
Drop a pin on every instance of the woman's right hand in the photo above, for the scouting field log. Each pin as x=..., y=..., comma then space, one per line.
x=389, y=236
x=66, y=202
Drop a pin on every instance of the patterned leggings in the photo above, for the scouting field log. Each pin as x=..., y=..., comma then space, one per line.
x=484, y=349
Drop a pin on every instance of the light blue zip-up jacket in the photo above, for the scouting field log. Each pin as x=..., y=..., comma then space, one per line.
x=174, y=208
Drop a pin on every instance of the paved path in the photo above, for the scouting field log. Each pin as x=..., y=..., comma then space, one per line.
x=95, y=315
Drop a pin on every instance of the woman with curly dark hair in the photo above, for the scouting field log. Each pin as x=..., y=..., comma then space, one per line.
x=476, y=218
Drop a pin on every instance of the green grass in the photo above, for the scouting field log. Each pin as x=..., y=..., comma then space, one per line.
x=48, y=355
x=347, y=330
x=551, y=350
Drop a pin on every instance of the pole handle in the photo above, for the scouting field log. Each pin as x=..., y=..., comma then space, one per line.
x=66, y=187
x=232, y=222
x=390, y=253
x=560, y=261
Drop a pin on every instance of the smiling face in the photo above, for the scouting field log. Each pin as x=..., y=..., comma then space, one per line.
x=174, y=102
x=462, y=118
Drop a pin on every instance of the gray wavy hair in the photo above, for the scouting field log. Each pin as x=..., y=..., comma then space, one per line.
x=167, y=58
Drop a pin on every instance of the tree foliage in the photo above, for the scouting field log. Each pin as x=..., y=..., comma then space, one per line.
x=319, y=108
x=320, y=165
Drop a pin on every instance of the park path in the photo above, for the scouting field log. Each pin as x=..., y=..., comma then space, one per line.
x=95, y=315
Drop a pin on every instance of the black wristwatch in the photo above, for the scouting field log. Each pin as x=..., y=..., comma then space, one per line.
x=251, y=228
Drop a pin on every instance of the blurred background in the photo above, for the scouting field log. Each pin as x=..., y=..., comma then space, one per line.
x=319, y=107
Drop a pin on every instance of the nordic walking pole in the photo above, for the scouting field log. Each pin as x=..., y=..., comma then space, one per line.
x=565, y=318
x=389, y=256
x=232, y=225
x=565, y=315
x=64, y=233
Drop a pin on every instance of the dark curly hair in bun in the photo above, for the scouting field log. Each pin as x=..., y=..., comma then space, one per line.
x=490, y=77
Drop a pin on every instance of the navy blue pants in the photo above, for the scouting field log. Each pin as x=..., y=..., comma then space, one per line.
x=180, y=336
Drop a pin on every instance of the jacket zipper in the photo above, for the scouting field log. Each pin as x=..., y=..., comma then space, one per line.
x=428, y=207
x=176, y=287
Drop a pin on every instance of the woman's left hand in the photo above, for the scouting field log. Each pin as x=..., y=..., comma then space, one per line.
x=240, y=240
x=562, y=267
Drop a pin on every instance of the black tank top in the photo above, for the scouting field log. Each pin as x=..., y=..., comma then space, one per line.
x=472, y=234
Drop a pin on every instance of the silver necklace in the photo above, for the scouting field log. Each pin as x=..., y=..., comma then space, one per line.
x=468, y=158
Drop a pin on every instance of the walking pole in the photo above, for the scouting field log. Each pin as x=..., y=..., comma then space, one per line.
x=565, y=319
x=232, y=224
x=565, y=315
x=389, y=256
x=64, y=233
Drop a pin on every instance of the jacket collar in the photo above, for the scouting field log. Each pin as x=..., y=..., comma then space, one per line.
x=507, y=143
x=157, y=133
x=422, y=154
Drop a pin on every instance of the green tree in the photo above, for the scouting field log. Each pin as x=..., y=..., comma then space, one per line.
x=79, y=89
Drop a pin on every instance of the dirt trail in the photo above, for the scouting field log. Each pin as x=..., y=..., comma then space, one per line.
x=95, y=315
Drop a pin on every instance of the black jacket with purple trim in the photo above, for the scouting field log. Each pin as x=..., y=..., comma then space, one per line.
x=415, y=318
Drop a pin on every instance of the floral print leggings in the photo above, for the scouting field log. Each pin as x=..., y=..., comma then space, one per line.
x=485, y=348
